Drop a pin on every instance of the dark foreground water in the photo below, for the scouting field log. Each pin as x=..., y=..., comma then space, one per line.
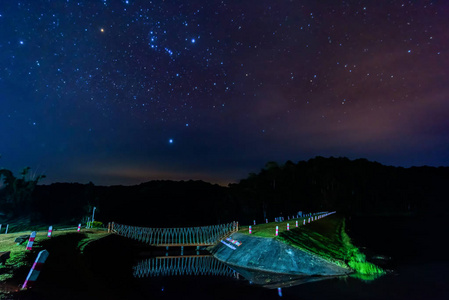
x=413, y=248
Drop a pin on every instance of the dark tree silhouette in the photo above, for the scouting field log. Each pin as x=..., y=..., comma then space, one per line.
x=16, y=193
x=350, y=186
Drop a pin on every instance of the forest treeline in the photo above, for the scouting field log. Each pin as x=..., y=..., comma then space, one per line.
x=353, y=187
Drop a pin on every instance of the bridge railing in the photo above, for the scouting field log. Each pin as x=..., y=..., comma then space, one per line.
x=183, y=236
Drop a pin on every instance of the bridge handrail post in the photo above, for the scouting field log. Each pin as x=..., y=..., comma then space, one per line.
x=202, y=235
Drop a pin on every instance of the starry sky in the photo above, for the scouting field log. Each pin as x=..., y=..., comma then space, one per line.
x=123, y=92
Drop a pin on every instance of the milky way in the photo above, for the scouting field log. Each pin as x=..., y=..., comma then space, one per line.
x=121, y=92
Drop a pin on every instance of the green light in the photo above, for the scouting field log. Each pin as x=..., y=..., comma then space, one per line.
x=329, y=240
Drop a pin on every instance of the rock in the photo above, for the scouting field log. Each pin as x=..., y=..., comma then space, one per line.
x=21, y=239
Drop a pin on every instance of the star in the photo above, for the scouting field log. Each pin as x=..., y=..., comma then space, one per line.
x=162, y=70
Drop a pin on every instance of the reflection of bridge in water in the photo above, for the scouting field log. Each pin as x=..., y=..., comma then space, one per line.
x=197, y=265
x=185, y=236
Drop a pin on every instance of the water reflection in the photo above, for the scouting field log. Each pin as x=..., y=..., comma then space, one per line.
x=196, y=265
x=204, y=265
x=278, y=280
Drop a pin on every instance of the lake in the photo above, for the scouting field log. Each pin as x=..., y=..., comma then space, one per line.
x=408, y=246
x=411, y=247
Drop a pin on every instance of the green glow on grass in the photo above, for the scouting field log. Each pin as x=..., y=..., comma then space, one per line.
x=328, y=239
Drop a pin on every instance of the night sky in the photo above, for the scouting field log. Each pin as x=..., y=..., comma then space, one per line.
x=123, y=92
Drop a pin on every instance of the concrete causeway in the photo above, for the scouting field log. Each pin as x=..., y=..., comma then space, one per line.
x=271, y=255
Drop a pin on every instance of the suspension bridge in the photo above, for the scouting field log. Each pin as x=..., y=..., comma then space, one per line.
x=197, y=265
x=172, y=237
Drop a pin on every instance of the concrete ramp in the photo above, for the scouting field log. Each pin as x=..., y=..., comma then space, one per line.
x=271, y=255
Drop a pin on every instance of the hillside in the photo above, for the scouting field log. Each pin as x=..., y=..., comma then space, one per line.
x=352, y=187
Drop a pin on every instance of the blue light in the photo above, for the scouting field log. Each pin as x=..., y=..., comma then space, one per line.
x=193, y=41
x=170, y=141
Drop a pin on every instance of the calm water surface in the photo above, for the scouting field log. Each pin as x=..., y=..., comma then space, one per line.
x=407, y=246
x=413, y=248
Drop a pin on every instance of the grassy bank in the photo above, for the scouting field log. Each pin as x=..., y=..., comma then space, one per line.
x=269, y=229
x=325, y=237
x=27, y=224
x=14, y=272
